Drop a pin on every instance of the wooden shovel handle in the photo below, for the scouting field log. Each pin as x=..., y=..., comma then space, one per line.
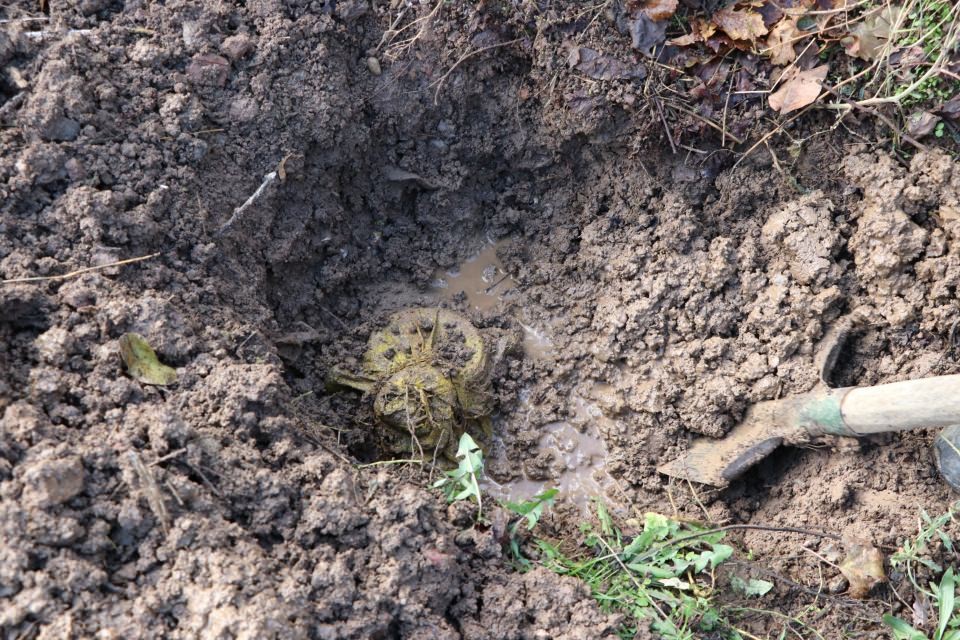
x=898, y=406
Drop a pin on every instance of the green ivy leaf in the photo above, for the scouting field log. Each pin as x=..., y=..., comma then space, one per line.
x=752, y=587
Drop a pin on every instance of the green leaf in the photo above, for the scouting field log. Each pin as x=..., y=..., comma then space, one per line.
x=714, y=557
x=466, y=446
x=945, y=540
x=946, y=600
x=606, y=523
x=142, y=363
x=463, y=482
x=902, y=630
x=652, y=570
x=657, y=525
x=532, y=509
x=752, y=587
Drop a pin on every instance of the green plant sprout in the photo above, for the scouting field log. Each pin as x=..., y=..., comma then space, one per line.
x=913, y=555
x=463, y=482
x=531, y=512
x=663, y=576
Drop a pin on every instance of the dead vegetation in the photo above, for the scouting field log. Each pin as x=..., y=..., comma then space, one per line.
x=743, y=73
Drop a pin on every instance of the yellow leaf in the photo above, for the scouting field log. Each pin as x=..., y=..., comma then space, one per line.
x=142, y=363
x=740, y=25
x=863, y=568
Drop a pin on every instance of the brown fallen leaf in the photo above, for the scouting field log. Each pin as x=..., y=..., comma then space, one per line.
x=799, y=90
x=646, y=33
x=921, y=123
x=781, y=40
x=863, y=567
x=740, y=25
x=700, y=31
x=656, y=10
x=951, y=108
x=868, y=38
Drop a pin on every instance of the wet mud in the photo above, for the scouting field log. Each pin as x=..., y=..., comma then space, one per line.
x=638, y=299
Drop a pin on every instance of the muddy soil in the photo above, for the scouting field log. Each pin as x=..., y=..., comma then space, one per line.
x=652, y=296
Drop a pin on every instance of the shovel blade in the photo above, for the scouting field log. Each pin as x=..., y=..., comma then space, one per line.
x=718, y=462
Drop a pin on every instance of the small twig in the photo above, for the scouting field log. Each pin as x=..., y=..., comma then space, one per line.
x=696, y=498
x=16, y=20
x=334, y=452
x=750, y=527
x=495, y=284
x=706, y=121
x=343, y=325
x=173, y=492
x=666, y=128
x=439, y=83
x=205, y=480
x=42, y=35
x=148, y=486
x=172, y=454
x=267, y=181
x=821, y=558
x=78, y=272
x=383, y=463
x=776, y=161
x=863, y=106
x=780, y=127
x=726, y=108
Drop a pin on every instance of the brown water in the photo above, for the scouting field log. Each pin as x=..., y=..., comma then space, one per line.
x=578, y=446
x=485, y=282
x=482, y=278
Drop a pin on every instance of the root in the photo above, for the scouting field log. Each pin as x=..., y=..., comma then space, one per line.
x=147, y=484
x=439, y=82
x=394, y=51
x=267, y=181
x=79, y=272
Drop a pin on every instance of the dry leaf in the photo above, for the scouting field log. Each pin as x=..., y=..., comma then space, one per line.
x=951, y=108
x=646, y=34
x=801, y=89
x=700, y=31
x=684, y=41
x=921, y=123
x=740, y=25
x=658, y=10
x=863, y=568
x=868, y=38
x=781, y=40
x=142, y=363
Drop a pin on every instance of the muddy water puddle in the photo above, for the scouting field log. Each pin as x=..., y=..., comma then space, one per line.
x=486, y=283
x=482, y=278
x=576, y=446
x=579, y=454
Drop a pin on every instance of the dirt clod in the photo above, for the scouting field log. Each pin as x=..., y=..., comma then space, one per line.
x=683, y=288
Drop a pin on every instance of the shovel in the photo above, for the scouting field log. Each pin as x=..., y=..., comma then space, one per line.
x=850, y=411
